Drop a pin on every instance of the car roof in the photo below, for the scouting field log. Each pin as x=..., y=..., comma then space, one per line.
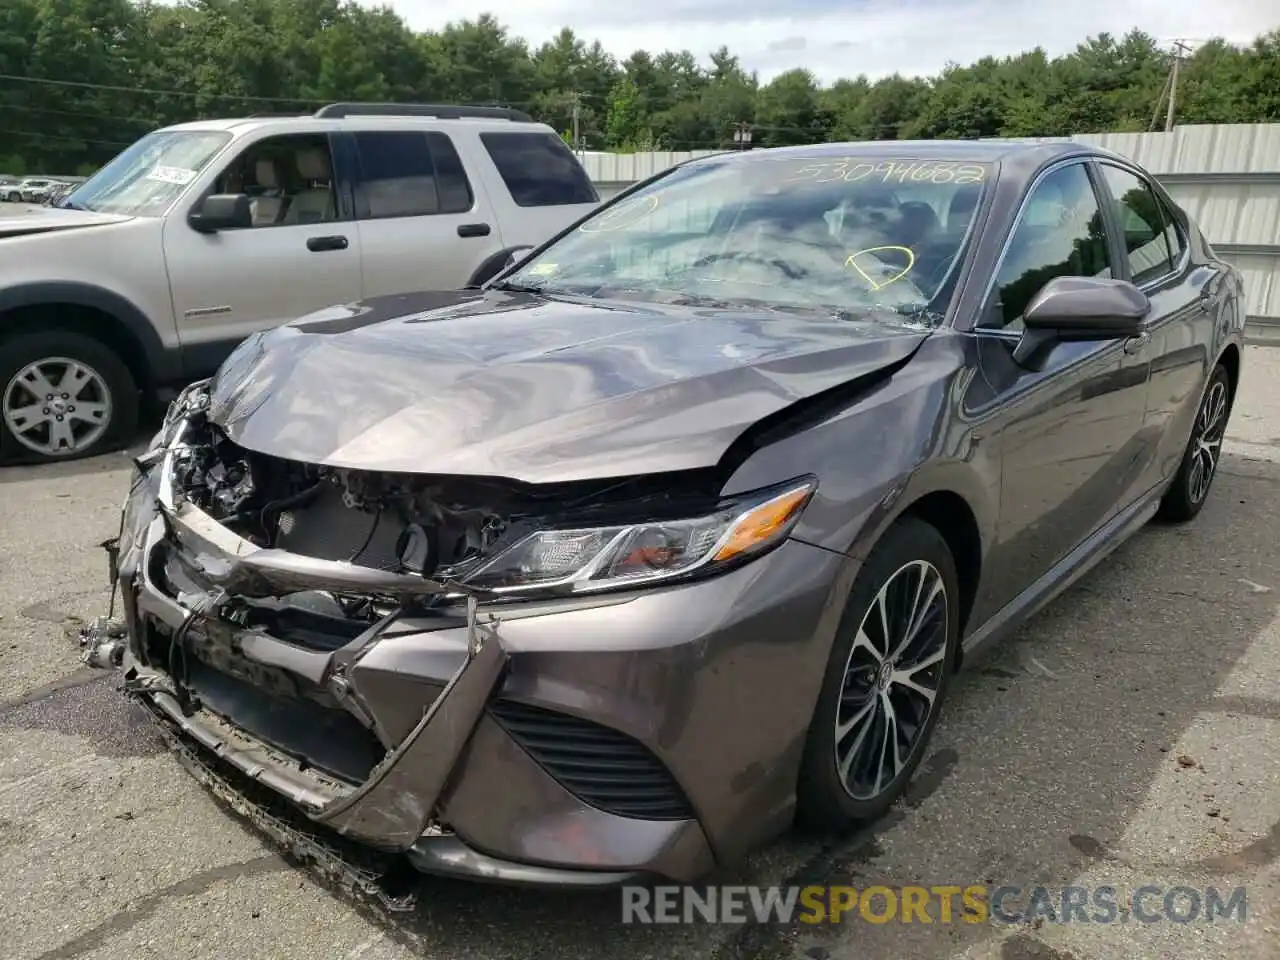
x=1021, y=156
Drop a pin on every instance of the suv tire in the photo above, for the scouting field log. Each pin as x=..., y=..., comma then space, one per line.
x=41, y=363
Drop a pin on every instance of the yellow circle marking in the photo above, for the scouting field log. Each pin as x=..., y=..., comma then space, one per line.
x=608, y=222
x=880, y=285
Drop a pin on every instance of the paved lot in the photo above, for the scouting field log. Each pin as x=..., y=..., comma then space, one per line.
x=1129, y=736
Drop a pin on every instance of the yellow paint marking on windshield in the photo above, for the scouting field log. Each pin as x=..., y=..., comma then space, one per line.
x=543, y=269
x=626, y=214
x=852, y=170
x=881, y=284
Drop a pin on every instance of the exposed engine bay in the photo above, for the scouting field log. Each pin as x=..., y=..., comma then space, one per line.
x=389, y=523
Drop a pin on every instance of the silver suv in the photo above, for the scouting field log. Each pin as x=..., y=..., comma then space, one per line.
x=147, y=275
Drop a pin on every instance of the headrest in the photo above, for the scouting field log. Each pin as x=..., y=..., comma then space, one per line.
x=264, y=171
x=313, y=164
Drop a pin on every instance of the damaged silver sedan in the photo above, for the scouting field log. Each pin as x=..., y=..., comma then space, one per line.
x=675, y=531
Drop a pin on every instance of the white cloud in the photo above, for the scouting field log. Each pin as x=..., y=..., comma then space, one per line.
x=874, y=37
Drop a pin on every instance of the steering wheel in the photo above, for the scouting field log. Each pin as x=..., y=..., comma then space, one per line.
x=790, y=272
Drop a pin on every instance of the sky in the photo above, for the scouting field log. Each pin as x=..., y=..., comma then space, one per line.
x=838, y=38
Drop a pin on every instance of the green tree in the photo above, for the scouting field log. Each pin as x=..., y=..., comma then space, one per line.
x=97, y=74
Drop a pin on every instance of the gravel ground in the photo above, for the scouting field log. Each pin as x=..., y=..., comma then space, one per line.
x=1126, y=737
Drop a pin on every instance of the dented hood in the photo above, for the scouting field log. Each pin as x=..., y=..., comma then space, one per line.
x=532, y=389
x=48, y=219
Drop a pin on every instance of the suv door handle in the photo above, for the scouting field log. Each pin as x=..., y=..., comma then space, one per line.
x=1135, y=344
x=316, y=244
x=473, y=229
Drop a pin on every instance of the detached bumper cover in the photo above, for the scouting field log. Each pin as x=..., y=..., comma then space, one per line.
x=474, y=709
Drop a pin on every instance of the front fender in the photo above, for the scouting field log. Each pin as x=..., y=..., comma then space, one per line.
x=163, y=365
x=902, y=440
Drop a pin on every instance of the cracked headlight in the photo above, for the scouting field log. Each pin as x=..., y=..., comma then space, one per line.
x=607, y=557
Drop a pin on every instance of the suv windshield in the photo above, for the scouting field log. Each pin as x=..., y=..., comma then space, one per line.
x=146, y=178
x=825, y=233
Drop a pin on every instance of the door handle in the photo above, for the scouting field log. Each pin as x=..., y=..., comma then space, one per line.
x=473, y=229
x=1135, y=344
x=317, y=244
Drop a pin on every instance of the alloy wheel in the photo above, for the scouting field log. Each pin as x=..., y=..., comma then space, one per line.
x=56, y=406
x=891, y=679
x=1206, y=443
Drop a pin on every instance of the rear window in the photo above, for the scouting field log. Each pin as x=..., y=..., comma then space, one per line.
x=539, y=169
x=409, y=174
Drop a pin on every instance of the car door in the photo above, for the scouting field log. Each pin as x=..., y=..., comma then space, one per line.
x=423, y=224
x=1182, y=310
x=301, y=254
x=1070, y=432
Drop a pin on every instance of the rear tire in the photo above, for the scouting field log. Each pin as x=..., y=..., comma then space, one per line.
x=1186, y=496
x=848, y=773
x=63, y=396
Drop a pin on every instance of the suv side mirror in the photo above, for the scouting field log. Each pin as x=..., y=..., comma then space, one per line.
x=222, y=211
x=1080, y=308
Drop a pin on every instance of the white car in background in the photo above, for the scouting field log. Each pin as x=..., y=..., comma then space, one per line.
x=33, y=189
x=146, y=276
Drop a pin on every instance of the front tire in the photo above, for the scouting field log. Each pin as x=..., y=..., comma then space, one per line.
x=1186, y=496
x=63, y=396
x=886, y=678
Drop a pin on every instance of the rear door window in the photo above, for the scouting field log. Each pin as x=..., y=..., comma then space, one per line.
x=1138, y=212
x=539, y=170
x=409, y=174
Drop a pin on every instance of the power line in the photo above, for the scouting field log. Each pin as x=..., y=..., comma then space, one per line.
x=75, y=113
x=40, y=135
x=82, y=85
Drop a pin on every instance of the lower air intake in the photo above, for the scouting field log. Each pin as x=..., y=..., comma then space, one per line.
x=600, y=766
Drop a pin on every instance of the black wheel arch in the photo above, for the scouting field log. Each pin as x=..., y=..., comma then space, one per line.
x=130, y=332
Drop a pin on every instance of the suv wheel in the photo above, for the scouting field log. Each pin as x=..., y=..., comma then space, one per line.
x=14, y=197
x=63, y=396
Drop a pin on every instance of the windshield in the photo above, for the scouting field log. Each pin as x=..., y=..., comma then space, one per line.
x=841, y=234
x=145, y=179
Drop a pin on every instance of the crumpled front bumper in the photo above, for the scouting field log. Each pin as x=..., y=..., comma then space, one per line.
x=686, y=675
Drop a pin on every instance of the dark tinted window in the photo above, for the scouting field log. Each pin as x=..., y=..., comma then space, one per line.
x=451, y=178
x=1140, y=217
x=538, y=169
x=1173, y=234
x=410, y=175
x=1060, y=234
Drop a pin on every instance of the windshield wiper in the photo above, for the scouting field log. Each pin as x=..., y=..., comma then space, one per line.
x=510, y=287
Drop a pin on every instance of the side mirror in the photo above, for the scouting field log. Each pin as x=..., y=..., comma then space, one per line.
x=222, y=211
x=1080, y=308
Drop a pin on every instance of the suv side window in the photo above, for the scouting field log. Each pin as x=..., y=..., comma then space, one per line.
x=539, y=170
x=1140, y=216
x=289, y=180
x=409, y=174
x=1060, y=233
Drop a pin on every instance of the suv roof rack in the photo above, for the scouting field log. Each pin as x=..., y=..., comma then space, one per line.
x=336, y=111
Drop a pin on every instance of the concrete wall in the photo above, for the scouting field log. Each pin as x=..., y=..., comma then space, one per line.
x=1226, y=176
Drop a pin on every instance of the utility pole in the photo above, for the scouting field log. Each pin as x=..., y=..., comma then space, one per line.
x=577, y=124
x=1179, y=48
